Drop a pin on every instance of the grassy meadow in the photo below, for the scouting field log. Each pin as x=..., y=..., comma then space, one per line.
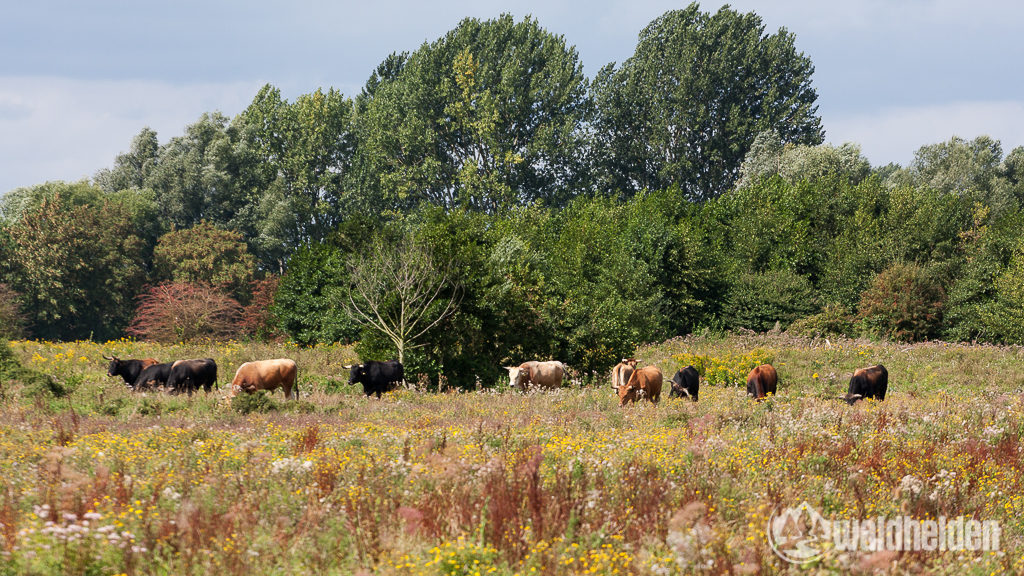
x=99, y=480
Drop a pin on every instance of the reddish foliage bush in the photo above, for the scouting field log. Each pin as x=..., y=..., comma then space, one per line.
x=257, y=320
x=178, y=311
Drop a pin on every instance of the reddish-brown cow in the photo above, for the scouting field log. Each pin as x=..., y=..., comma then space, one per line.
x=762, y=381
x=643, y=383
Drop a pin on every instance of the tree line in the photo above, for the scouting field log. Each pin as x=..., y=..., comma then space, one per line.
x=544, y=214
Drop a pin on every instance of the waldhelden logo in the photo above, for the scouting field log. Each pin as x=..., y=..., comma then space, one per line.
x=800, y=535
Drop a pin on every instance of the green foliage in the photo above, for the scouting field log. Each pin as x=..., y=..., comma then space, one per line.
x=989, y=243
x=833, y=320
x=197, y=176
x=760, y=301
x=12, y=321
x=37, y=384
x=204, y=254
x=724, y=369
x=77, y=263
x=904, y=303
x=259, y=402
x=769, y=156
x=1003, y=317
x=299, y=156
x=132, y=169
x=686, y=107
x=489, y=116
x=304, y=303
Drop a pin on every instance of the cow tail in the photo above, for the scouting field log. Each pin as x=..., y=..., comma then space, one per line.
x=296, y=383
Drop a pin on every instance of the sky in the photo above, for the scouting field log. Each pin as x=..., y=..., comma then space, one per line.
x=78, y=80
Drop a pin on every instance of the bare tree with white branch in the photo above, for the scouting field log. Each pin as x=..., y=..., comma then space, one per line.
x=400, y=291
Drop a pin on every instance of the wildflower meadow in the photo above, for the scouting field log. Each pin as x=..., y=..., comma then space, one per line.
x=98, y=479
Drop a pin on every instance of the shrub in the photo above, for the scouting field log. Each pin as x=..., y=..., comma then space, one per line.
x=12, y=321
x=1003, y=317
x=204, y=254
x=904, y=302
x=759, y=301
x=178, y=312
x=833, y=320
x=259, y=402
x=725, y=370
x=258, y=320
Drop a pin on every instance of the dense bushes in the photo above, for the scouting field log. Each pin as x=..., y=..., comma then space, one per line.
x=904, y=303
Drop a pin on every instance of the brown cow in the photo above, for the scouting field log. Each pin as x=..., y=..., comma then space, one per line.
x=266, y=375
x=644, y=382
x=871, y=382
x=544, y=374
x=762, y=381
x=622, y=371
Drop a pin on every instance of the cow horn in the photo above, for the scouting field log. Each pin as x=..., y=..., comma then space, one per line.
x=105, y=357
x=348, y=366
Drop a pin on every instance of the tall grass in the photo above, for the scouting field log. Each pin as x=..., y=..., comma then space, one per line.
x=106, y=481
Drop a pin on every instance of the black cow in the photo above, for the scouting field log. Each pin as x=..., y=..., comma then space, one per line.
x=128, y=369
x=377, y=377
x=190, y=375
x=867, y=383
x=153, y=376
x=686, y=383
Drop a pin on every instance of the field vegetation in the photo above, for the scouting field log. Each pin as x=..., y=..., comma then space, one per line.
x=101, y=480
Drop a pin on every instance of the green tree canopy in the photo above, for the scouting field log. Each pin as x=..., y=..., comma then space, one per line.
x=206, y=255
x=486, y=117
x=686, y=107
x=133, y=168
x=77, y=267
x=299, y=156
x=769, y=156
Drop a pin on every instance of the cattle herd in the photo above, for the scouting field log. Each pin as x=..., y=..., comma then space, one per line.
x=629, y=382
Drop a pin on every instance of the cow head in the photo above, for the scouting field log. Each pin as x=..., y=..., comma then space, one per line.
x=356, y=373
x=630, y=361
x=850, y=399
x=114, y=368
x=631, y=391
x=518, y=377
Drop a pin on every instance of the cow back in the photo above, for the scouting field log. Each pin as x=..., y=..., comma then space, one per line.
x=871, y=382
x=266, y=375
x=545, y=374
x=762, y=381
x=153, y=376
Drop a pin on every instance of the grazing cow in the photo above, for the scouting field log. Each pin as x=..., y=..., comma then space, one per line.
x=686, y=383
x=869, y=382
x=189, y=375
x=533, y=373
x=266, y=375
x=622, y=371
x=129, y=370
x=153, y=377
x=377, y=377
x=643, y=383
x=762, y=381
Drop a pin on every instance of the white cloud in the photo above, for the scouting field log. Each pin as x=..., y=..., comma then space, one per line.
x=64, y=129
x=894, y=134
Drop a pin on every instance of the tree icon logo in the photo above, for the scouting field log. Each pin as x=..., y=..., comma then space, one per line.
x=798, y=535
